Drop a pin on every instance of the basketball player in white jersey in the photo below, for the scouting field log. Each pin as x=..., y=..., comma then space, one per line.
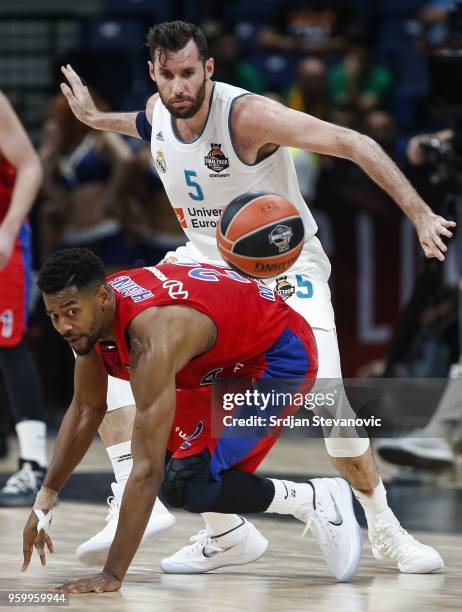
x=211, y=142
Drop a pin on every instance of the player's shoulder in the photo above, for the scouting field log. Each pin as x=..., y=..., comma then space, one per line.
x=150, y=105
x=251, y=110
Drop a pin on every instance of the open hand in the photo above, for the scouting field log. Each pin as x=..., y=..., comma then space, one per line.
x=78, y=96
x=430, y=228
x=98, y=583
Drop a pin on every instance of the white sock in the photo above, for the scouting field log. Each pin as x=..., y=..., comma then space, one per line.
x=32, y=436
x=218, y=524
x=375, y=503
x=288, y=496
x=121, y=459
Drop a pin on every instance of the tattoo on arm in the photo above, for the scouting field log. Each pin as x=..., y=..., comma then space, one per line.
x=211, y=339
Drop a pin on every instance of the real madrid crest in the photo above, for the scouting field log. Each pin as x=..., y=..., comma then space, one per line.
x=161, y=164
x=284, y=288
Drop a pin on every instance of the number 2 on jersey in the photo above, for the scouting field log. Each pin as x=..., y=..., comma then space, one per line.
x=198, y=195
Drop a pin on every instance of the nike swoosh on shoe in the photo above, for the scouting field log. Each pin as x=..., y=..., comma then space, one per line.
x=338, y=517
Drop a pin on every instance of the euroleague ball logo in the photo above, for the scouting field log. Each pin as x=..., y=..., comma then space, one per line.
x=215, y=159
x=281, y=236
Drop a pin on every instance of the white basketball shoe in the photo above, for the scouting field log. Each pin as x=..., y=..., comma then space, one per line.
x=332, y=521
x=390, y=542
x=239, y=546
x=94, y=551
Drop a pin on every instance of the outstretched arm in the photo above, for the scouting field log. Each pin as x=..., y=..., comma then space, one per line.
x=270, y=122
x=85, y=110
x=78, y=429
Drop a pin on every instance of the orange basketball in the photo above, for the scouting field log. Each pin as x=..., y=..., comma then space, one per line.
x=260, y=234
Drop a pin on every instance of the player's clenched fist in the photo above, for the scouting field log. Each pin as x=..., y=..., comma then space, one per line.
x=34, y=535
x=78, y=96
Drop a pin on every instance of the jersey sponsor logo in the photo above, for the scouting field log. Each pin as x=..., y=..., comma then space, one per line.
x=215, y=159
x=159, y=136
x=156, y=272
x=203, y=217
x=281, y=237
x=284, y=288
x=198, y=217
x=160, y=162
x=127, y=287
x=174, y=287
x=179, y=212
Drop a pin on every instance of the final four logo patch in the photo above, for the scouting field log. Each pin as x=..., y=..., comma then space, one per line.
x=215, y=159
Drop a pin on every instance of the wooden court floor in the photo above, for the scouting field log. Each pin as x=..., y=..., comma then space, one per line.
x=291, y=575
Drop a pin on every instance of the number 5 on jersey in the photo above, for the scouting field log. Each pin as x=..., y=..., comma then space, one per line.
x=198, y=194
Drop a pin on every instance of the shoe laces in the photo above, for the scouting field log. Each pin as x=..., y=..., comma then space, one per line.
x=21, y=481
x=114, y=507
x=393, y=540
x=203, y=540
x=318, y=524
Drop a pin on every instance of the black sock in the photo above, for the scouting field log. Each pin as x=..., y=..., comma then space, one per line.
x=243, y=493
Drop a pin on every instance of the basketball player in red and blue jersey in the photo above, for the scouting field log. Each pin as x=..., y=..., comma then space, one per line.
x=175, y=326
x=20, y=178
x=212, y=142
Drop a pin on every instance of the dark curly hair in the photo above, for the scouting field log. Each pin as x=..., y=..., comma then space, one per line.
x=174, y=36
x=79, y=268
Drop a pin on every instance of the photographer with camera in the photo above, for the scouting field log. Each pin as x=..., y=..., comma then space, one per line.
x=428, y=338
x=433, y=446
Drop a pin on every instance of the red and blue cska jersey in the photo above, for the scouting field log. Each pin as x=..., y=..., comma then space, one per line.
x=16, y=276
x=250, y=321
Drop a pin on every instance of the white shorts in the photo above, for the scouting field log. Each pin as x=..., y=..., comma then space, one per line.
x=311, y=299
x=119, y=393
x=329, y=368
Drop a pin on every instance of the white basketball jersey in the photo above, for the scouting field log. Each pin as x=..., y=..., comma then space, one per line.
x=201, y=177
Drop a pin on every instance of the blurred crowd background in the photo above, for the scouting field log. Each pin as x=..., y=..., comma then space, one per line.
x=356, y=63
